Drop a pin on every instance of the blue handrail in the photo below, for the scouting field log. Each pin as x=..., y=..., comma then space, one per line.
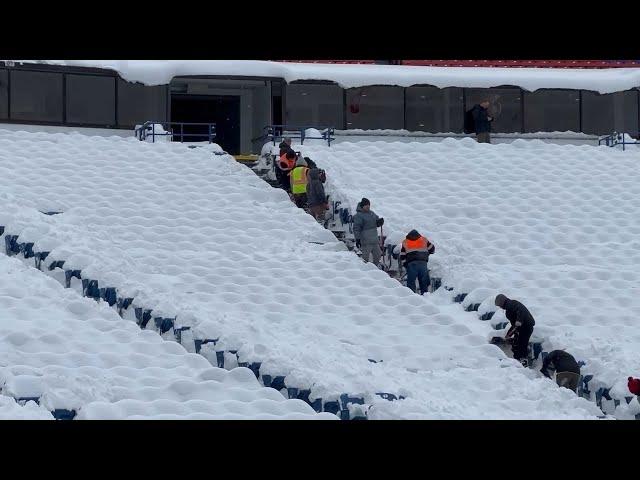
x=277, y=132
x=148, y=128
x=616, y=139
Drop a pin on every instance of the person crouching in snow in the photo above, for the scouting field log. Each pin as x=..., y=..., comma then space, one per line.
x=316, y=197
x=415, y=253
x=522, y=323
x=298, y=176
x=566, y=368
x=365, y=231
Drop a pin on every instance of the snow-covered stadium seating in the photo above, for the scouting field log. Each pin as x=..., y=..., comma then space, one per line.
x=196, y=240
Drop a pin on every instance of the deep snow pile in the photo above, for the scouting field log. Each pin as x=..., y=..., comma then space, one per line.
x=73, y=354
x=198, y=236
x=159, y=72
x=553, y=226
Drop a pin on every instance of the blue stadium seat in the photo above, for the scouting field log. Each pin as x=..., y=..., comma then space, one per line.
x=472, y=307
x=108, y=294
x=460, y=297
x=537, y=349
x=69, y=274
x=123, y=304
x=487, y=316
x=331, y=407
x=39, y=257
x=27, y=249
x=220, y=359
x=178, y=334
x=276, y=382
x=163, y=324
x=142, y=316
x=90, y=289
x=11, y=245
x=63, y=414
x=56, y=264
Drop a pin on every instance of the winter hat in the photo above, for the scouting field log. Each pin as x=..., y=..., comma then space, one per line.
x=413, y=234
x=501, y=300
x=634, y=385
x=301, y=162
x=365, y=201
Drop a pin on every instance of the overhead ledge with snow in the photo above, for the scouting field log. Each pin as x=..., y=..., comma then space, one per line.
x=160, y=72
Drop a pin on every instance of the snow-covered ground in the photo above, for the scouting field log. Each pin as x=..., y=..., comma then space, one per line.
x=73, y=354
x=553, y=226
x=201, y=237
x=405, y=136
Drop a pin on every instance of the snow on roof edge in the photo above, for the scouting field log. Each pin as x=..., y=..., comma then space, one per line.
x=161, y=72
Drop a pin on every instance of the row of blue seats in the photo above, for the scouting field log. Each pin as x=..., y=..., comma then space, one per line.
x=91, y=289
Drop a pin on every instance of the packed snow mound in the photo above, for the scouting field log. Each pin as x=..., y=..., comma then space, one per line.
x=160, y=72
x=11, y=410
x=201, y=237
x=555, y=227
x=71, y=353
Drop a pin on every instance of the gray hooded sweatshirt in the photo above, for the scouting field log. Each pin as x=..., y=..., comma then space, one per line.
x=315, y=189
x=364, y=226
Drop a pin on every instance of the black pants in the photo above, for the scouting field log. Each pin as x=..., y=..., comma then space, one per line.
x=521, y=341
x=300, y=199
x=283, y=178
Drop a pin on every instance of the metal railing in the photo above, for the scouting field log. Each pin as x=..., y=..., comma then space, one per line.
x=276, y=133
x=616, y=139
x=150, y=129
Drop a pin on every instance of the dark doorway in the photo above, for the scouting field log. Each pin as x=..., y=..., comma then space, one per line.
x=223, y=110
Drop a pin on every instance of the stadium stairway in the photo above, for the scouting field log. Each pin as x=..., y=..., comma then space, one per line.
x=340, y=223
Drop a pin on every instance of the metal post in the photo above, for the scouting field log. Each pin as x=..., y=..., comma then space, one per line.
x=153, y=132
x=182, y=133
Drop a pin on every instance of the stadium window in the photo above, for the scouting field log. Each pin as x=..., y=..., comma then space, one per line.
x=603, y=114
x=505, y=107
x=36, y=96
x=372, y=108
x=139, y=103
x=4, y=94
x=435, y=110
x=315, y=105
x=91, y=99
x=552, y=111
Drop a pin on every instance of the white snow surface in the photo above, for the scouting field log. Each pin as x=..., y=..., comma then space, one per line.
x=200, y=236
x=11, y=410
x=160, y=72
x=555, y=227
x=74, y=354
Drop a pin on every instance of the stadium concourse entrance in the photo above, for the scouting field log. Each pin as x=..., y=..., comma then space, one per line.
x=240, y=108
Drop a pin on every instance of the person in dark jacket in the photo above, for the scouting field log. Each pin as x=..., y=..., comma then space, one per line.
x=310, y=163
x=522, y=323
x=316, y=197
x=415, y=252
x=566, y=368
x=285, y=146
x=365, y=231
x=482, y=121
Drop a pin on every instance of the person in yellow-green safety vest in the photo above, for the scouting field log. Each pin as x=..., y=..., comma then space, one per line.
x=298, y=178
